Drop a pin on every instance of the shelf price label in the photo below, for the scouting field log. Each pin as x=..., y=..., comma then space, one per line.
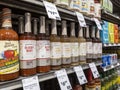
x=31, y=83
x=81, y=19
x=94, y=70
x=63, y=79
x=80, y=75
x=98, y=23
x=52, y=11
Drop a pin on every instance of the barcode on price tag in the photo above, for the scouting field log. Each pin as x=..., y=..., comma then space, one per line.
x=80, y=75
x=31, y=83
x=94, y=70
x=52, y=10
x=63, y=80
x=98, y=23
x=81, y=19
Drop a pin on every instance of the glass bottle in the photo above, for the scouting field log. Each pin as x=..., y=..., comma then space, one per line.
x=63, y=3
x=66, y=49
x=27, y=49
x=88, y=46
x=55, y=45
x=82, y=46
x=21, y=25
x=9, y=48
x=35, y=26
x=74, y=46
x=43, y=48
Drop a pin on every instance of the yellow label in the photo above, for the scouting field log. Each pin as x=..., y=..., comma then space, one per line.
x=9, y=54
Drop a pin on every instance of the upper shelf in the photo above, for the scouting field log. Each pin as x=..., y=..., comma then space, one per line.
x=110, y=17
x=17, y=83
x=36, y=6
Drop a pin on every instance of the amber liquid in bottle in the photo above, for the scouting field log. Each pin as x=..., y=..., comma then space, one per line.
x=9, y=48
x=99, y=48
x=43, y=48
x=94, y=44
x=88, y=46
x=27, y=49
x=21, y=25
x=66, y=49
x=55, y=45
x=74, y=46
x=82, y=46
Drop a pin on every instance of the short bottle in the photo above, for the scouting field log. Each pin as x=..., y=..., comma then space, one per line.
x=27, y=49
x=66, y=48
x=43, y=48
x=9, y=48
x=55, y=46
x=74, y=46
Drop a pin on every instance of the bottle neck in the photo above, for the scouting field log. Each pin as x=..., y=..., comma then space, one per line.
x=35, y=26
x=80, y=31
x=64, y=28
x=98, y=33
x=47, y=28
x=42, y=24
x=87, y=32
x=93, y=32
x=27, y=22
x=72, y=29
x=21, y=25
x=54, y=29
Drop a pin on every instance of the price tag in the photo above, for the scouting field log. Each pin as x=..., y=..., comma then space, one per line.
x=98, y=23
x=81, y=19
x=80, y=75
x=63, y=80
x=31, y=83
x=51, y=10
x=94, y=70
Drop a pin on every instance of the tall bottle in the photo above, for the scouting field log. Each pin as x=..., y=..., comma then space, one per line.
x=94, y=44
x=9, y=48
x=74, y=46
x=55, y=48
x=27, y=49
x=82, y=46
x=66, y=49
x=88, y=46
x=43, y=48
x=99, y=48
x=21, y=25
x=35, y=26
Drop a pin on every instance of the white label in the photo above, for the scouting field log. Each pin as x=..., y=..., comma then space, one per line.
x=27, y=49
x=82, y=49
x=51, y=10
x=100, y=48
x=80, y=75
x=31, y=83
x=43, y=49
x=94, y=70
x=63, y=80
x=66, y=50
x=74, y=49
x=89, y=47
x=81, y=19
x=98, y=23
x=95, y=48
x=55, y=50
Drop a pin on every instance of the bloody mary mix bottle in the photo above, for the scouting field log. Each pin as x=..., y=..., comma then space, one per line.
x=27, y=49
x=9, y=48
x=43, y=48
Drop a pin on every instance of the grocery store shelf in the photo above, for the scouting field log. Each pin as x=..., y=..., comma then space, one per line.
x=110, y=17
x=110, y=67
x=37, y=7
x=17, y=83
x=111, y=45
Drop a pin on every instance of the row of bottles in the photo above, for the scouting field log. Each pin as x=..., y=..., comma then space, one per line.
x=41, y=52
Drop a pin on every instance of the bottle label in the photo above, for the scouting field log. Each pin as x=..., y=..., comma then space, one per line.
x=74, y=49
x=95, y=49
x=43, y=52
x=82, y=49
x=84, y=5
x=28, y=53
x=75, y=4
x=62, y=2
x=100, y=48
x=91, y=7
x=89, y=47
x=66, y=50
x=9, y=54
